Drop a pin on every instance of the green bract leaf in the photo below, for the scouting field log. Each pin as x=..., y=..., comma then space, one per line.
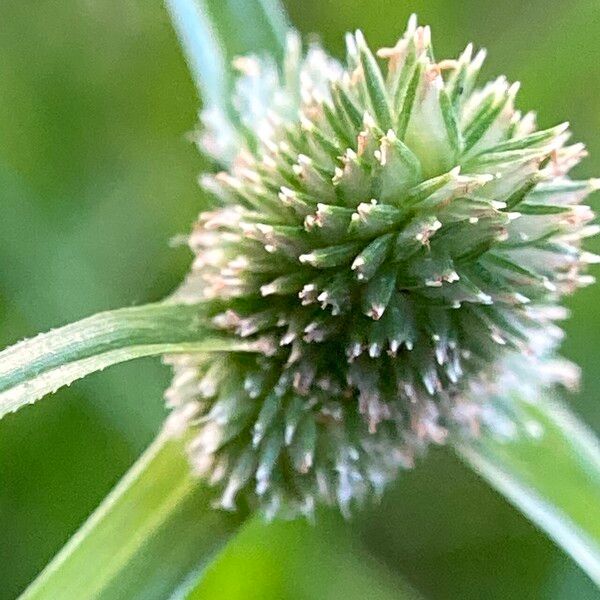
x=35, y=367
x=374, y=84
x=551, y=472
x=147, y=539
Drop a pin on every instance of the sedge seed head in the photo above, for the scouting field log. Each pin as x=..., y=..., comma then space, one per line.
x=399, y=238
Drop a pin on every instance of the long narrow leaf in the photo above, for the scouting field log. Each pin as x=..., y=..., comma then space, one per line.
x=151, y=535
x=551, y=474
x=249, y=26
x=33, y=368
x=206, y=58
x=213, y=32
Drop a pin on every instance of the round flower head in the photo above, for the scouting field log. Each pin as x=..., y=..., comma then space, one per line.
x=398, y=241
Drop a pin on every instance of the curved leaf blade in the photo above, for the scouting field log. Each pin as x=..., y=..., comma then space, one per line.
x=204, y=54
x=35, y=367
x=152, y=533
x=552, y=475
x=213, y=32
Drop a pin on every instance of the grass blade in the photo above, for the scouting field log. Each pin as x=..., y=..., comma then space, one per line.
x=552, y=475
x=213, y=32
x=152, y=533
x=205, y=56
x=35, y=367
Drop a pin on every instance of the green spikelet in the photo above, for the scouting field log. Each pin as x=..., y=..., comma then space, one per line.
x=399, y=240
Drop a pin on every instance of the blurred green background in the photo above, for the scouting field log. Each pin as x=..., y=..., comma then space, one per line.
x=96, y=176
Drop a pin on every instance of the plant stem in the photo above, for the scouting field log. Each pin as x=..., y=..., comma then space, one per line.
x=40, y=365
x=551, y=474
x=151, y=534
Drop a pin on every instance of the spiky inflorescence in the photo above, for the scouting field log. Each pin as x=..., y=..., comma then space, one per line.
x=400, y=241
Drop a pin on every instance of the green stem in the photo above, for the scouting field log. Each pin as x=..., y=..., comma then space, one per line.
x=40, y=365
x=551, y=474
x=152, y=534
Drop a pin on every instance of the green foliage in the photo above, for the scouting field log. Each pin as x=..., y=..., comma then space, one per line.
x=149, y=536
x=550, y=471
x=41, y=365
